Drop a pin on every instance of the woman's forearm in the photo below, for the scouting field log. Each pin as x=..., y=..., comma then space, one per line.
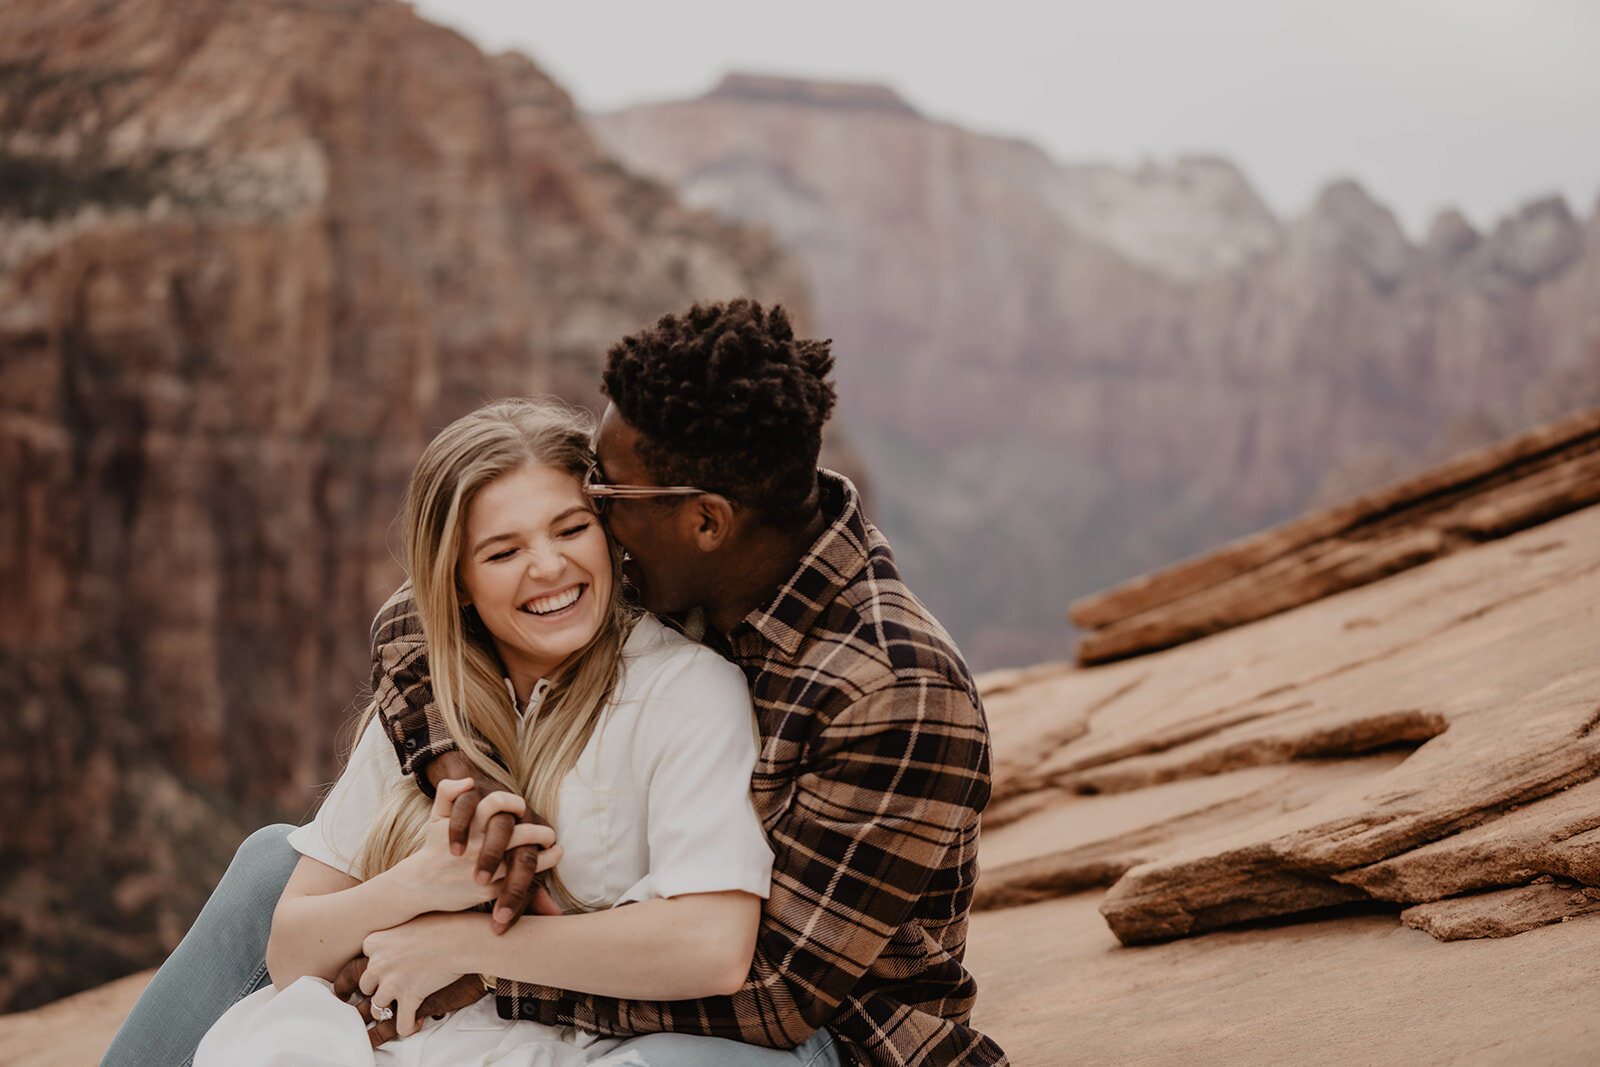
x=697, y=945
x=317, y=934
x=324, y=914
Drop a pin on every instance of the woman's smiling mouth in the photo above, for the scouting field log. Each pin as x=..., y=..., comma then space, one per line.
x=554, y=602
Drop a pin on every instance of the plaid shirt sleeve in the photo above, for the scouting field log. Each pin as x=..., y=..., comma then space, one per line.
x=401, y=687
x=889, y=789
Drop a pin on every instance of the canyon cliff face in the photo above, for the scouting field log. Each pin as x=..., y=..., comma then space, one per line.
x=1062, y=376
x=252, y=255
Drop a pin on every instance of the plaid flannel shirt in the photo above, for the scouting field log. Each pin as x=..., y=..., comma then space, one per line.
x=874, y=766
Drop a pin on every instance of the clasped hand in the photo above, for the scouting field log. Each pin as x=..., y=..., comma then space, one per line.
x=520, y=890
x=439, y=878
x=405, y=965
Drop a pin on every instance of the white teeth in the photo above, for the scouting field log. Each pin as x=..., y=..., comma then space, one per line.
x=546, y=604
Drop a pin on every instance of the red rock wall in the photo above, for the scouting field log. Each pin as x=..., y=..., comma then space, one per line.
x=252, y=255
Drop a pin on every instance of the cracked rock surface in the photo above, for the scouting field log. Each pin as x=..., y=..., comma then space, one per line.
x=1428, y=741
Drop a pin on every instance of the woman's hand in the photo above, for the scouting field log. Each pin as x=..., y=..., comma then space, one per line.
x=522, y=864
x=437, y=879
x=407, y=963
x=468, y=989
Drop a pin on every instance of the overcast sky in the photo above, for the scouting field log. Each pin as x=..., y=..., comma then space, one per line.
x=1479, y=104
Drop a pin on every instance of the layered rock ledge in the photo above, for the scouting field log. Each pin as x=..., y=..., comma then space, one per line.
x=1430, y=741
x=1477, y=497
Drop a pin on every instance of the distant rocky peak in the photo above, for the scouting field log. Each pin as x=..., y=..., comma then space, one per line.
x=1185, y=220
x=1450, y=237
x=1538, y=242
x=1347, y=220
x=801, y=92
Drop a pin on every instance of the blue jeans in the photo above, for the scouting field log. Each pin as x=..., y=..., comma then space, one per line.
x=220, y=960
x=223, y=958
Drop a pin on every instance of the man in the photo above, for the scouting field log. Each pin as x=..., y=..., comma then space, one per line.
x=874, y=761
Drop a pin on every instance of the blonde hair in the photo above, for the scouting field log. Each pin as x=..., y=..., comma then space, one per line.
x=468, y=679
x=397, y=830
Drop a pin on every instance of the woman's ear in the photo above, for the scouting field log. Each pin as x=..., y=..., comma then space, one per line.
x=713, y=516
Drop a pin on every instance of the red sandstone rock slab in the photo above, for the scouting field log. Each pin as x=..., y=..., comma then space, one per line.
x=1039, y=709
x=1503, y=912
x=1477, y=676
x=1191, y=695
x=1485, y=494
x=1557, y=836
x=72, y=1032
x=1073, y=843
x=1054, y=987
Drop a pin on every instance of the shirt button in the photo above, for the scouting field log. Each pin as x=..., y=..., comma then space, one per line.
x=411, y=744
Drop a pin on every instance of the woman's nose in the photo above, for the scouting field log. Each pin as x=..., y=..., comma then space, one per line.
x=544, y=560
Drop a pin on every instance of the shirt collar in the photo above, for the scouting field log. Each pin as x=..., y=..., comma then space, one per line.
x=535, y=698
x=835, y=558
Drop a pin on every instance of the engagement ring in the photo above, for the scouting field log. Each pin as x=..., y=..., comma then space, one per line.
x=383, y=1014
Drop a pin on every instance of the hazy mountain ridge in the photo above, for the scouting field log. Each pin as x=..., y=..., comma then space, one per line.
x=1064, y=375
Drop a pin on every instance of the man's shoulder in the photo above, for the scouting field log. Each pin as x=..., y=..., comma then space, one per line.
x=877, y=665
x=847, y=621
x=886, y=632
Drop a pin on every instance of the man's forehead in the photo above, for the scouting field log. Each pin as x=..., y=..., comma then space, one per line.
x=614, y=440
x=608, y=426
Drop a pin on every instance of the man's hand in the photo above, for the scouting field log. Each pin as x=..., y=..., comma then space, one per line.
x=522, y=864
x=467, y=989
x=439, y=878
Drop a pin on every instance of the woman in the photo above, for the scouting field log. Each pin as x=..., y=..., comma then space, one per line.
x=636, y=743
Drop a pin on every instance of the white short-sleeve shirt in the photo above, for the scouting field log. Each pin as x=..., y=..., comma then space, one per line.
x=658, y=804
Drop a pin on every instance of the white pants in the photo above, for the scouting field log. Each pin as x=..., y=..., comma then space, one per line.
x=305, y=1025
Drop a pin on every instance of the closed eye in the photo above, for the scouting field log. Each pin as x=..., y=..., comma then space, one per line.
x=574, y=531
x=504, y=553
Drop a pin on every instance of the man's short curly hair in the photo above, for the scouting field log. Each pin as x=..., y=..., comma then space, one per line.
x=726, y=397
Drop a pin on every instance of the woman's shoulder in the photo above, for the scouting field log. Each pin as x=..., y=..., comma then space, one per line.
x=678, y=700
x=658, y=660
x=653, y=645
